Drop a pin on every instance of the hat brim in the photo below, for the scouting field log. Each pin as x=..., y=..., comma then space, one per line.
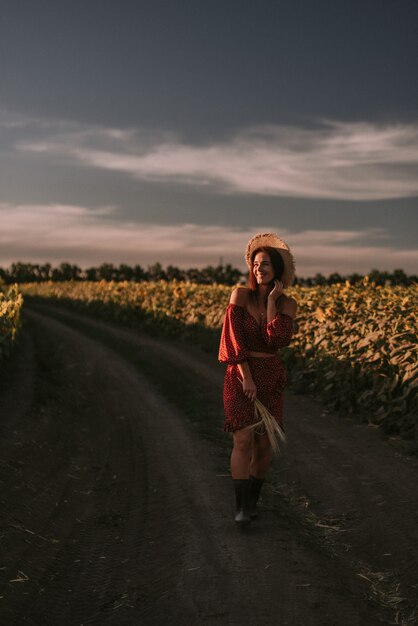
x=272, y=240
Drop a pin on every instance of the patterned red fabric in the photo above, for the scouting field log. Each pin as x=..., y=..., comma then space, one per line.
x=242, y=334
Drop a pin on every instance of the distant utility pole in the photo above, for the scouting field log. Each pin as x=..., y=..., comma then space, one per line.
x=221, y=261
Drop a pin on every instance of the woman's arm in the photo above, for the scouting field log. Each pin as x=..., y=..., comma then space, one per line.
x=248, y=385
x=240, y=297
x=279, y=328
x=272, y=298
x=286, y=305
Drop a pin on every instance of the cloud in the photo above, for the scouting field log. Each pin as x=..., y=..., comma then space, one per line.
x=90, y=236
x=334, y=160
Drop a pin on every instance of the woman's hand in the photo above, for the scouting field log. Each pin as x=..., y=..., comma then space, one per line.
x=277, y=290
x=250, y=390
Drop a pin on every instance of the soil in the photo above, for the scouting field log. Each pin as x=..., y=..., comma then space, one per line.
x=117, y=504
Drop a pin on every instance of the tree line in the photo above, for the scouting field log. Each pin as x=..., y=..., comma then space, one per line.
x=209, y=275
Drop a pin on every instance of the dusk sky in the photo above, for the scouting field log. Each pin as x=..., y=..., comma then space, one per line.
x=172, y=131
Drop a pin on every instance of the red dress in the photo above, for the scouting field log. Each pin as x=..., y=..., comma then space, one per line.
x=242, y=334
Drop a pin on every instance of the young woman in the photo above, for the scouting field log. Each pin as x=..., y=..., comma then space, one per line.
x=258, y=322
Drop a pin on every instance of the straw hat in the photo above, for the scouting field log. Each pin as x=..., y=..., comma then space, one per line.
x=273, y=241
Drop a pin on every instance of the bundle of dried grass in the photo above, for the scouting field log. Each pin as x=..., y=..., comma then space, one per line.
x=266, y=423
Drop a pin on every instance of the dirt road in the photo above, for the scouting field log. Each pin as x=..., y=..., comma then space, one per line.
x=116, y=504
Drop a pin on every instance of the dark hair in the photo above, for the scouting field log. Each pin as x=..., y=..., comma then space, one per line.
x=276, y=261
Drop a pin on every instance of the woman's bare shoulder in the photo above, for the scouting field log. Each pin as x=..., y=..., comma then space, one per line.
x=240, y=296
x=288, y=305
x=289, y=299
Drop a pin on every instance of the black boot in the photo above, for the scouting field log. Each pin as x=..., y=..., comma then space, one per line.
x=242, y=517
x=254, y=489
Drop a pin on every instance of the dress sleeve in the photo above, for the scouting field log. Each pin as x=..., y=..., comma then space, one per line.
x=232, y=348
x=278, y=333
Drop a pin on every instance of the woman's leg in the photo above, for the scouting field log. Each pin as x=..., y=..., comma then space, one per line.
x=240, y=471
x=260, y=463
x=241, y=453
x=261, y=456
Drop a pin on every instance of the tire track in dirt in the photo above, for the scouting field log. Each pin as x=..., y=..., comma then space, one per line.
x=129, y=504
x=132, y=523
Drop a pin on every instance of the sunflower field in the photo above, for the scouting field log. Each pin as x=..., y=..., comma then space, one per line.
x=355, y=346
x=11, y=301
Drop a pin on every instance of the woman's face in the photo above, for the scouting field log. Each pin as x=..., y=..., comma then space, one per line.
x=263, y=269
